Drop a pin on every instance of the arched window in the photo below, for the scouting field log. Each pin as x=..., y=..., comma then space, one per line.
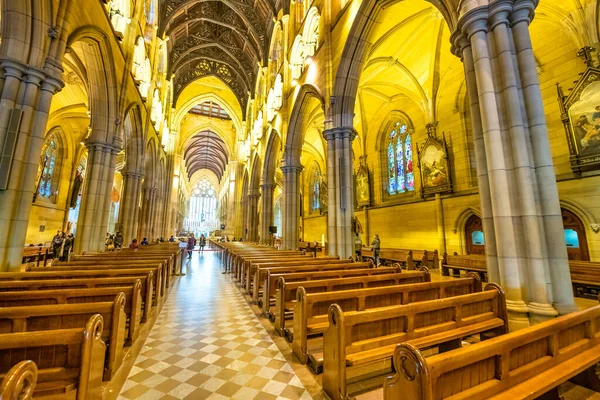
x=202, y=214
x=139, y=56
x=315, y=189
x=49, y=159
x=399, y=159
x=156, y=113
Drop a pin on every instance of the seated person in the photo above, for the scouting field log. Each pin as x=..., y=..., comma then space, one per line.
x=144, y=242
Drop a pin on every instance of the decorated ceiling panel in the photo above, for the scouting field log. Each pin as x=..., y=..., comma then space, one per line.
x=227, y=39
x=206, y=150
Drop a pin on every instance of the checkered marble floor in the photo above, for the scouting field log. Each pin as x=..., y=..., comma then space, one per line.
x=208, y=344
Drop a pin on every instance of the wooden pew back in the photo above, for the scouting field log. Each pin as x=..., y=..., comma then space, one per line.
x=524, y=364
x=68, y=359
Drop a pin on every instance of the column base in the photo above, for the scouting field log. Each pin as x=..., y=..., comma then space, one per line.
x=565, y=308
x=518, y=315
x=540, y=312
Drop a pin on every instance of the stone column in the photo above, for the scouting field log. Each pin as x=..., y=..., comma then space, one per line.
x=132, y=182
x=290, y=213
x=253, y=217
x=439, y=213
x=96, y=197
x=267, y=219
x=340, y=206
x=146, y=219
x=514, y=163
x=25, y=95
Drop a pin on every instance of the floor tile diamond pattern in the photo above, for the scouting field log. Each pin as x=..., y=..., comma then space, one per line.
x=208, y=344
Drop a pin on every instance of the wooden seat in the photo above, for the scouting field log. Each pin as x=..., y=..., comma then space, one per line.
x=468, y=263
x=310, y=313
x=274, y=283
x=146, y=287
x=525, y=364
x=70, y=361
x=410, y=259
x=19, y=383
x=262, y=270
x=67, y=316
x=361, y=344
x=133, y=301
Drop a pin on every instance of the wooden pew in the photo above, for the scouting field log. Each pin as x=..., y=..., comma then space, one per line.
x=585, y=277
x=261, y=273
x=527, y=364
x=407, y=258
x=285, y=297
x=275, y=282
x=19, y=382
x=310, y=313
x=159, y=269
x=68, y=316
x=70, y=361
x=243, y=262
x=469, y=263
x=128, y=258
x=82, y=283
x=249, y=266
x=361, y=344
x=133, y=301
x=104, y=273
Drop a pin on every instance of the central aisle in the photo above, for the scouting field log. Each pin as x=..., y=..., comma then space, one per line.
x=208, y=344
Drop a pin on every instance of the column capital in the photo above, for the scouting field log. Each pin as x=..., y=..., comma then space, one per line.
x=267, y=186
x=291, y=169
x=92, y=145
x=134, y=175
x=340, y=132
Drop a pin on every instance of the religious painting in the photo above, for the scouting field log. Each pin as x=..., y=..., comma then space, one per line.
x=581, y=118
x=362, y=187
x=434, y=167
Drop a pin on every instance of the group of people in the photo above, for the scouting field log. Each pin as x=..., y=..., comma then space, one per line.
x=191, y=244
x=62, y=244
x=375, y=244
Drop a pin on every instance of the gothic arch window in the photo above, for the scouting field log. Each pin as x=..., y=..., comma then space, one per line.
x=202, y=213
x=297, y=59
x=311, y=31
x=398, y=158
x=156, y=113
x=139, y=56
x=47, y=186
x=315, y=189
x=120, y=15
x=76, y=192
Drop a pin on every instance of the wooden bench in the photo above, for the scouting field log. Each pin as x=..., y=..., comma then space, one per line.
x=261, y=273
x=243, y=263
x=310, y=313
x=69, y=316
x=82, y=283
x=585, y=277
x=133, y=301
x=19, y=382
x=357, y=345
x=527, y=364
x=274, y=281
x=133, y=259
x=236, y=258
x=249, y=266
x=70, y=361
x=285, y=298
x=159, y=269
x=104, y=273
x=36, y=254
x=469, y=263
x=410, y=259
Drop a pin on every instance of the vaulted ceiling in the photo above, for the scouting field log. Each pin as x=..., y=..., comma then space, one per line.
x=206, y=150
x=228, y=39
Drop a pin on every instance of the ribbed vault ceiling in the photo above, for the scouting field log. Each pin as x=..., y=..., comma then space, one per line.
x=225, y=38
x=206, y=150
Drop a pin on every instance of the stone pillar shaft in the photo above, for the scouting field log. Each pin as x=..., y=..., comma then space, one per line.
x=267, y=217
x=291, y=206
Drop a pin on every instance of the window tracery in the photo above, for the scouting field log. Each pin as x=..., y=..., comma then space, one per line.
x=315, y=189
x=202, y=213
x=305, y=45
x=399, y=159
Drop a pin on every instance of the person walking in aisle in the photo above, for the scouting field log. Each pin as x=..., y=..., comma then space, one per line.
x=191, y=245
x=376, y=244
x=202, y=242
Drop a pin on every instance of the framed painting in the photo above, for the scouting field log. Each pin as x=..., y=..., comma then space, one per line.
x=581, y=118
x=434, y=167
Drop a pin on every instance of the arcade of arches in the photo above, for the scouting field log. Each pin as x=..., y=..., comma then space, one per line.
x=470, y=127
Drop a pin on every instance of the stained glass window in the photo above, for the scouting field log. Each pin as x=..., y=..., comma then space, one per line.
x=399, y=156
x=48, y=164
x=202, y=213
x=316, y=190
